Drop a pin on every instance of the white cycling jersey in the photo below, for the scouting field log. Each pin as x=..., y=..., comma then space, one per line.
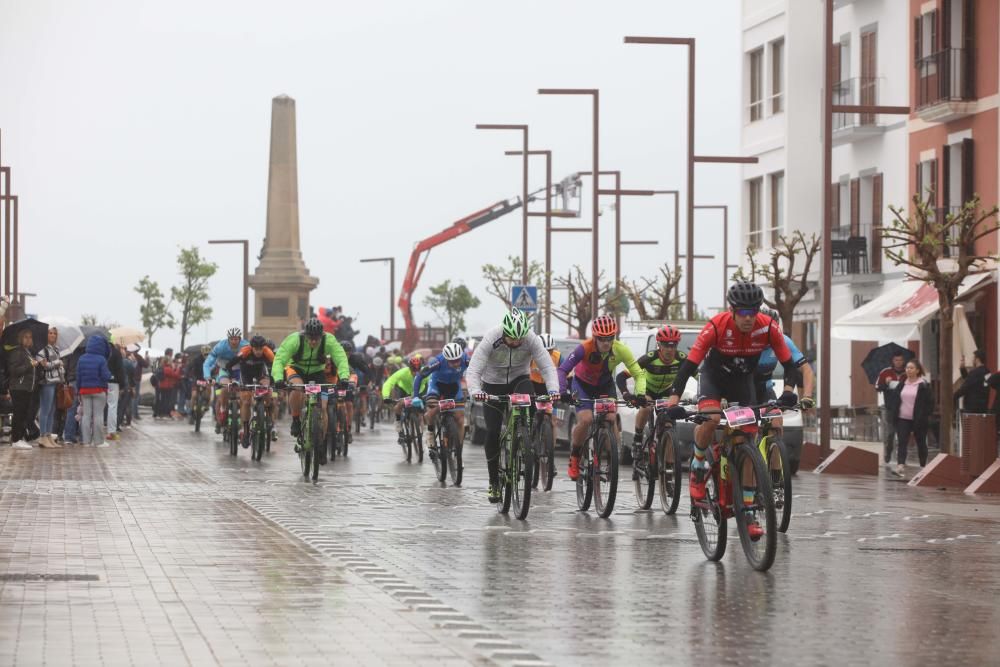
x=495, y=363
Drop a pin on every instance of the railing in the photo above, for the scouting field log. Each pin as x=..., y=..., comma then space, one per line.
x=945, y=76
x=856, y=249
x=951, y=241
x=858, y=90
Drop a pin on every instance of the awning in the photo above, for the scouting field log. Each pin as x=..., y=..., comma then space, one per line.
x=898, y=314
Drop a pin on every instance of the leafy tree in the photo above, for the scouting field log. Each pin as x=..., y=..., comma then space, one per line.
x=192, y=294
x=154, y=313
x=654, y=298
x=450, y=304
x=788, y=285
x=941, y=253
x=500, y=278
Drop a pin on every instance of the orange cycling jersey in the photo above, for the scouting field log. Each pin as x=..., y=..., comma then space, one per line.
x=535, y=375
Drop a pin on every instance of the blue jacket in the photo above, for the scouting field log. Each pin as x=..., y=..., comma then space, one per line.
x=440, y=372
x=92, y=370
x=220, y=354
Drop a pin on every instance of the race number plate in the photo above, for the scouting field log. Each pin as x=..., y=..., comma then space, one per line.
x=447, y=404
x=341, y=393
x=262, y=391
x=740, y=416
x=662, y=403
x=605, y=406
x=202, y=383
x=314, y=389
x=544, y=406
x=408, y=401
x=520, y=399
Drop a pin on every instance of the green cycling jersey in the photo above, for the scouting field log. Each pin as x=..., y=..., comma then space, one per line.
x=403, y=378
x=659, y=374
x=295, y=352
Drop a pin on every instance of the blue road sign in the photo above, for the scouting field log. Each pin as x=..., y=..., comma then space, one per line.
x=524, y=297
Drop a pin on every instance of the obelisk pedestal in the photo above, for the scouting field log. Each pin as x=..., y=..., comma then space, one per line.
x=281, y=282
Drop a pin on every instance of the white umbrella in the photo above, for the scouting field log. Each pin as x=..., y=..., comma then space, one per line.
x=70, y=336
x=962, y=342
x=127, y=335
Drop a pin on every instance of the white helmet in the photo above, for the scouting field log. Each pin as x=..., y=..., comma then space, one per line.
x=547, y=341
x=452, y=352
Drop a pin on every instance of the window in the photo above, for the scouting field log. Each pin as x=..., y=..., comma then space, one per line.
x=756, y=84
x=777, y=75
x=754, y=201
x=868, y=85
x=777, y=207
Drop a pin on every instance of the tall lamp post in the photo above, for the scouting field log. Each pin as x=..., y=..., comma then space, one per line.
x=246, y=277
x=524, y=189
x=725, y=244
x=392, y=289
x=596, y=169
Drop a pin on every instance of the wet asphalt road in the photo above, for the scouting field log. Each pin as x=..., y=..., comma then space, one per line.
x=200, y=558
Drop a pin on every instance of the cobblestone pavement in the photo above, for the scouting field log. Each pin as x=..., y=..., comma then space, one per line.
x=162, y=549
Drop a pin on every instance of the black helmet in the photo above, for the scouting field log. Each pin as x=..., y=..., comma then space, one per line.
x=258, y=341
x=461, y=341
x=270, y=344
x=744, y=294
x=314, y=327
x=347, y=345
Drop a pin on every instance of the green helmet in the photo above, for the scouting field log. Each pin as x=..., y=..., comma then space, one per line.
x=516, y=324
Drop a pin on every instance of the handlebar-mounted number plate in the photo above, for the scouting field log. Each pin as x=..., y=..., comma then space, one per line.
x=544, y=406
x=408, y=401
x=446, y=404
x=740, y=416
x=605, y=406
x=314, y=389
x=520, y=400
x=662, y=403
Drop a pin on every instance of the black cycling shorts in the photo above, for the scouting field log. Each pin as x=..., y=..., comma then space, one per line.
x=715, y=385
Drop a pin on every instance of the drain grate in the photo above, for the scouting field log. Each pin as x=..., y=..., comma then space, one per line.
x=37, y=576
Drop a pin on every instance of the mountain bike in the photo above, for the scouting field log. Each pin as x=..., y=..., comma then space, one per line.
x=374, y=407
x=772, y=449
x=446, y=452
x=657, y=462
x=260, y=422
x=359, y=407
x=738, y=485
x=598, y=479
x=202, y=401
x=233, y=427
x=516, y=456
x=338, y=430
x=310, y=439
x=413, y=435
x=544, y=442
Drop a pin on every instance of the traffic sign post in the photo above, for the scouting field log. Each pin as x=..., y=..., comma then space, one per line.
x=524, y=297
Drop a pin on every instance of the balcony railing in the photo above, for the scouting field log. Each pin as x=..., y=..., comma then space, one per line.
x=855, y=91
x=856, y=249
x=951, y=243
x=945, y=76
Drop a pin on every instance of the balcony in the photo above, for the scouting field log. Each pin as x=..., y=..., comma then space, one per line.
x=945, y=90
x=856, y=250
x=950, y=249
x=848, y=127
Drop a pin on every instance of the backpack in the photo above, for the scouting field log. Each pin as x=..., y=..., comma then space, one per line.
x=157, y=375
x=321, y=359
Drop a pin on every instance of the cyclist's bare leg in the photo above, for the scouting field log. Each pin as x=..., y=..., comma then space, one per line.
x=296, y=398
x=641, y=418
x=583, y=420
x=223, y=402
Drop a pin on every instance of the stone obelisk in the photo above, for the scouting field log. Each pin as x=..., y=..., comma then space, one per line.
x=281, y=282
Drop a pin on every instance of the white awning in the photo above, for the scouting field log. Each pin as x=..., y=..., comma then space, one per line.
x=898, y=314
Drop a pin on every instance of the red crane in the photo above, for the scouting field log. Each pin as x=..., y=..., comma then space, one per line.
x=421, y=251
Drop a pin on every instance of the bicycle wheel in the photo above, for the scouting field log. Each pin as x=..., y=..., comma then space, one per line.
x=546, y=463
x=536, y=447
x=668, y=466
x=373, y=412
x=258, y=433
x=439, y=457
x=605, y=470
x=234, y=432
x=330, y=441
x=524, y=458
x=198, y=413
x=345, y=430
x=781, y=481
x=644, y=474
x=357, y=417
x=505, y=462
x=454, y=453
x=408, y=437
x=305, y=448
x=709, y=523
x=316, y=435
x=418, y=437
x=584, y=481
x=753, y=505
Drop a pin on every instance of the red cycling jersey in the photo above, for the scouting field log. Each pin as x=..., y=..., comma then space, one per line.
x=728, y=348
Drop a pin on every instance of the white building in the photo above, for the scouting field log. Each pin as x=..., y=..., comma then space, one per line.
x=783, y=192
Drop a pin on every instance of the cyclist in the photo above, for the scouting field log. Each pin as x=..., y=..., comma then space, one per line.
x=763, y=382
x=195, y=369
x=223, y=351
x=255, y=362
x=730, y=345
x=400, y=384
x=301, y=358
x=378, y=373
x=360, y=367
x=536, y=378
x=445, y=373
x=661, y=367
x=500, y=365
x=464, y=344
x=593, y=363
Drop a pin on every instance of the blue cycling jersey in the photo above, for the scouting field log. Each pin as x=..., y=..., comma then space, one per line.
x=768, y=361
x=441, y=372
x=219, y=355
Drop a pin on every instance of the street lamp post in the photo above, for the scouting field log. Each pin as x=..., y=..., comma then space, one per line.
x=392, y=289
x=725, y=244
x=596, y=169
x=524, y=189
x=246, y=278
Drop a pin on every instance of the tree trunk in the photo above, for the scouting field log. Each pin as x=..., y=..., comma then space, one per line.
x=946, y=402
x=184, y=329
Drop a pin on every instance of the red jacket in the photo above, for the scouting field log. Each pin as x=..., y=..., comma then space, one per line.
x=171, y=377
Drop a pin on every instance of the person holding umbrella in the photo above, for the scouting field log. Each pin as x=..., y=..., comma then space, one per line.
x=886, y=382
x=21, y=369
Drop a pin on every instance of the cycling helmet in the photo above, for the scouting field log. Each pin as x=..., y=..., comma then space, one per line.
x=270, y=344
x=205, y=350
x=547, y=341
x=516, y=324
x=771, y=312
x=258, y=341
x=234, y=333
x=314, y=327
x=668, y=334
x=415, y=362
x=453, y=352
x=461, y=341
x=744, y=294
x=377, y=362
x=605, y=325
x=347, y=345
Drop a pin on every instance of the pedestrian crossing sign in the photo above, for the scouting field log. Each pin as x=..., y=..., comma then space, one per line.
x=524, y=297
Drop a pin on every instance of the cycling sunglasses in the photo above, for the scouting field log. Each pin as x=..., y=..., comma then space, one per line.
x=745, y=312
x=663, y=344
x=604, y=339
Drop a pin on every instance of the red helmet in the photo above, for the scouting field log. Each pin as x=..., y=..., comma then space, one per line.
x=605, y=325
x=668, y=334
x=415, y=362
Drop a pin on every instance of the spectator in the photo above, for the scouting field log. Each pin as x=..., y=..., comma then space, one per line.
x=158, y=367
x=21, y=373
x=117, y=367
x=141, y=363
x=974, y=389
x=183, y=385
x=913, y=406
x=886, y=383
x=71, y=426
x=169, y=383
x=125, y=404
x=92, y=377
x=53, y=375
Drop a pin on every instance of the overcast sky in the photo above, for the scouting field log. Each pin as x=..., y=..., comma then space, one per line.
x=134, y=128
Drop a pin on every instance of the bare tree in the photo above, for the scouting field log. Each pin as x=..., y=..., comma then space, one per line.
x=941, y=253
x=500, y=278
x=577, y=313
x=654, y=297
x=789, y=285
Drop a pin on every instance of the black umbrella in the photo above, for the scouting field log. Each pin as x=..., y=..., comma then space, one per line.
x=881, y=358
x=39, y=333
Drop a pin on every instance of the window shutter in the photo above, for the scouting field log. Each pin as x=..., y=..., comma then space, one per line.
x=917, y=39
x=835, y=205
x=968, y=165
x=877, y=223
x=935, y=46
x=934, y=181
x=919, y=191
x=946, y=23
x=969, y=57
x=946, y=177
x=855, y=207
